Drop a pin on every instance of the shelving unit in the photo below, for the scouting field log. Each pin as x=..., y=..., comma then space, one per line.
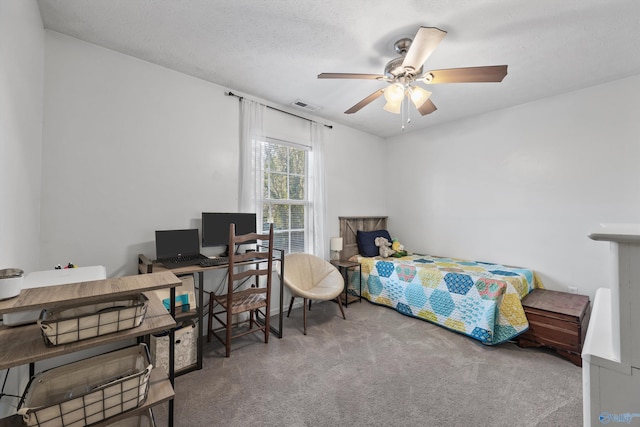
x=24, y=344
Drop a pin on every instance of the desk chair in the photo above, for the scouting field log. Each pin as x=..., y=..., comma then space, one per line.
x=311, y=278
x=255, y=299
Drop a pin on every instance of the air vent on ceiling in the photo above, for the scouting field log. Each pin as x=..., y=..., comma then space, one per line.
x=305, y=105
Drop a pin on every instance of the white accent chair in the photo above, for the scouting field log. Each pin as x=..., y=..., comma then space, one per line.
x=312, y=278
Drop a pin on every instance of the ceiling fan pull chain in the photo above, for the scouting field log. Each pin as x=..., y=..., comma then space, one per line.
x=402, y=115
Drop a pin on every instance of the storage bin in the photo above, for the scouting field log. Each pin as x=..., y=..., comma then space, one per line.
x=185, y=295
x=141, y=420
x=88, y=391
x=68, y=324
x=185, y=348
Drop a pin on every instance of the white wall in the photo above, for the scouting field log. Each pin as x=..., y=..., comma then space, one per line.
x=21, y=74
x=524, y=186
x=131, y=147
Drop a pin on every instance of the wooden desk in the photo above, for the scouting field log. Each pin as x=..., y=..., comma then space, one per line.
x=146, y=265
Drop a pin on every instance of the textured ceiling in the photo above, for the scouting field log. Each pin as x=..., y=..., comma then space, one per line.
x=274, y=50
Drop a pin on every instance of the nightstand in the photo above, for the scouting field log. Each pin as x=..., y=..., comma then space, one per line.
x=344, y=267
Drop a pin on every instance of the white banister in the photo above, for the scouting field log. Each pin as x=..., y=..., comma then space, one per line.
x=611, y=352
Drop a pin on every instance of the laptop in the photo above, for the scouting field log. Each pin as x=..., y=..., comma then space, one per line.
x=178, y=248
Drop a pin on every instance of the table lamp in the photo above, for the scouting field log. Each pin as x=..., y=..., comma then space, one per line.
x=336, y=247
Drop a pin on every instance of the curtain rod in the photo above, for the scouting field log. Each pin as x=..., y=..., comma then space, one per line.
x=229, y=93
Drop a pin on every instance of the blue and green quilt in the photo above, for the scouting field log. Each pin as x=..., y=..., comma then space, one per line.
x=478, y=299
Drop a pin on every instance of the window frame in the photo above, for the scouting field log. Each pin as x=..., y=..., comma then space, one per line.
x=265, y=171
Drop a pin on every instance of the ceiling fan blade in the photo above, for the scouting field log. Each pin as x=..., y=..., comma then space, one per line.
x=493, y=73
x=423, y=44
x=349, y=76
x=375, y=95
x=427, y=108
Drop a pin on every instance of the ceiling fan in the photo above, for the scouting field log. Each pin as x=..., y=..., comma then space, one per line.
x=403, y=72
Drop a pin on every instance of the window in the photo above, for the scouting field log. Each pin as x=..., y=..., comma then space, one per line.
x=283, y=181
x=285, y=195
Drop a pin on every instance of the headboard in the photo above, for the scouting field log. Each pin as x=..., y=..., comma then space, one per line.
x=349, y=225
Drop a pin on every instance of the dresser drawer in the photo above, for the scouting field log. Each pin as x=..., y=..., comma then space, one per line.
x=554, y=332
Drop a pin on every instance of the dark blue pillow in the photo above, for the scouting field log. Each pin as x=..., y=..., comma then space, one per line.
x=367, y=241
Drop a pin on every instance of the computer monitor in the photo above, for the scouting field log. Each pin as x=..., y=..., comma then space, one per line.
x=215, y=227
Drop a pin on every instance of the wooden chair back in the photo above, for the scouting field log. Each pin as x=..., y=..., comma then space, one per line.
x=248, y=287
x=239, y=270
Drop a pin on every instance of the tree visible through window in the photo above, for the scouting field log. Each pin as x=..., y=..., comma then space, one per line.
x=285, y=195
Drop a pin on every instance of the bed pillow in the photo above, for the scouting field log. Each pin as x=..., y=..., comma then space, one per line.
x=366, y=241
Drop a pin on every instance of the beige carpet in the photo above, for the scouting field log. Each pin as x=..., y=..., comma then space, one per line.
x=377, y=368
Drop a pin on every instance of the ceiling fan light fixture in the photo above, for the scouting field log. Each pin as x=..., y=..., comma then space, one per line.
x=418, y=95
x=393, y=107
x=394, y=93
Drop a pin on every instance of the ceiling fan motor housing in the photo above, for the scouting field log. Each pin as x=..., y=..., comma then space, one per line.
x=402, y=46
x=394, y=68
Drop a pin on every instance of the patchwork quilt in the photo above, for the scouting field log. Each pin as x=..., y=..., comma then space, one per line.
x=478, y=299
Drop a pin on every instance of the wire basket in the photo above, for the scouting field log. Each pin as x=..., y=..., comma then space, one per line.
x=68, y=324
x=88, y=391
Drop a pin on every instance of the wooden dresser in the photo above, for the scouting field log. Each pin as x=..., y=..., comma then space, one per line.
x=557, y=320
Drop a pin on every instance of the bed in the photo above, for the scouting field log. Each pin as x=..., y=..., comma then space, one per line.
x=479, y=299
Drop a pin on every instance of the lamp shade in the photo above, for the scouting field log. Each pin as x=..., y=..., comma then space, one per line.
x=336, y=243
x=393, y=107
x=394, y=93
x=418, y=96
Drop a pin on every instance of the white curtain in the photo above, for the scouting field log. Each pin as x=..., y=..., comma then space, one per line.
x=317, y=194
x=250, y=177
